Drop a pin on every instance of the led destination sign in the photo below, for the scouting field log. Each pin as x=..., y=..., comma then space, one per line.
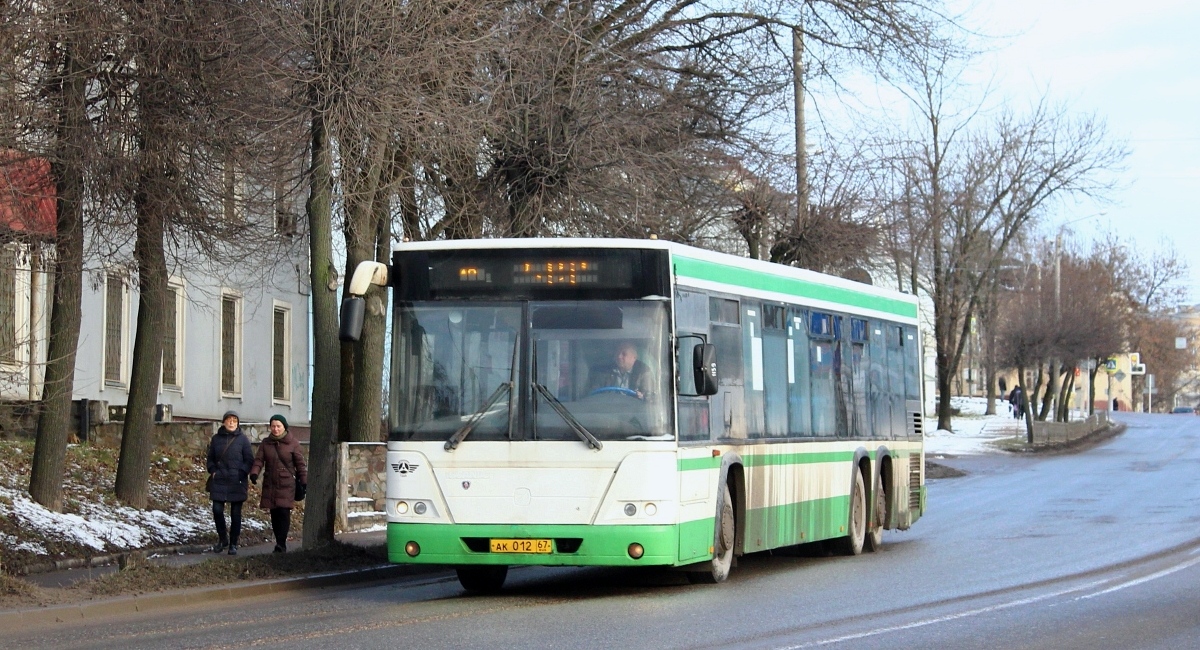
x=530, y=272
x=550, y=273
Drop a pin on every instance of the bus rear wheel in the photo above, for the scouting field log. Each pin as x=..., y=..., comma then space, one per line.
x=874, y=540
x=717, y=569
x=482, y=579
x=852, y=543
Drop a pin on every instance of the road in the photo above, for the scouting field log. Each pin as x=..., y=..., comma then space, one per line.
x=1098, y=549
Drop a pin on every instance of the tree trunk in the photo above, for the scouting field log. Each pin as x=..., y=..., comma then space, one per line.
x=367, y=402
x=137, y=434
x=322, y=462
x=54, y=419
x=1027, y=401
x=360, y=418
x=1054, y=368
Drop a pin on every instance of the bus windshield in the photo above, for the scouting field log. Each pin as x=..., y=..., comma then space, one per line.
x=466, y=371
x=606, y=364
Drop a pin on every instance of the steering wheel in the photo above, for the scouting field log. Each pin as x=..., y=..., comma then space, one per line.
x=628, y=392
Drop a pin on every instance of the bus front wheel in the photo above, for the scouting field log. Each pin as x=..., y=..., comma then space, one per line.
x=717, y=569
x=482, y=579
x=852, y=543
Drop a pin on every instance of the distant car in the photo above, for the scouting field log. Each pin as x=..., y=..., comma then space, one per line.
x=1183, y=409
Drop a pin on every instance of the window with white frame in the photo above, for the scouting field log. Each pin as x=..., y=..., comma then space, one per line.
x=172, y=359
x=231, y=343
x=115, y=325
x=281, y=352
x=9, y=353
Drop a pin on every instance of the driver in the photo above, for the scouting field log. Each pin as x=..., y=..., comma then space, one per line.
x=626, y=371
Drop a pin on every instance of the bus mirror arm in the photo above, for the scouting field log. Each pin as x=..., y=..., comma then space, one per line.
x=704, y=368
x=353, y=306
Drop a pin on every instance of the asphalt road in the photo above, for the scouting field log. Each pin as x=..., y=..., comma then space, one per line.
x=1097, y=549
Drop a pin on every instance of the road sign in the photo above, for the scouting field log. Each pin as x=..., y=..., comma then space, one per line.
x=1110, y=366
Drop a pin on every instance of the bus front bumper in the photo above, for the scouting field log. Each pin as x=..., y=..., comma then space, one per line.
x=569, y=545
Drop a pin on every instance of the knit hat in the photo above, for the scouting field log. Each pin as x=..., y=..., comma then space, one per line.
x=282, y=420
x=229, y=414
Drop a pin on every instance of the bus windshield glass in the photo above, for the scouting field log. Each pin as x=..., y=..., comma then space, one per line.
x=606, y=364
x=475, y=371
x=453, y=364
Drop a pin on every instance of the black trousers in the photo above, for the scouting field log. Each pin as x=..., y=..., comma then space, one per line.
x=281, y=521
x=235, y=521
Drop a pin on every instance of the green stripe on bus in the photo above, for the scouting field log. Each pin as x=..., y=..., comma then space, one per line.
x=761, y=460
x=706, y=462
x=751, y=279
x=800, y=458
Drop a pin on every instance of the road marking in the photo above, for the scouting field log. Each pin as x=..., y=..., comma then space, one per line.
x=943, y=619
x=1143, y=579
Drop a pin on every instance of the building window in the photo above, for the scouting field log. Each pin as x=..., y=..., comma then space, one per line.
x=231, y=344
x=281, y=338
x=114, y=330
x=285, y=216
x=8, y=306
x=233, y=195
x=172, y=360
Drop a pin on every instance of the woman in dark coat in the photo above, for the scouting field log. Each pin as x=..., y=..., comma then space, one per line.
x=229, y=460
x=284, y=475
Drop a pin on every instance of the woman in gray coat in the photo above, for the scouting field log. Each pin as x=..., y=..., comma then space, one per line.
x=229, y=461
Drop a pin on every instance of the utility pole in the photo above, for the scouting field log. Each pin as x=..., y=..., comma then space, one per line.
x=801, y=151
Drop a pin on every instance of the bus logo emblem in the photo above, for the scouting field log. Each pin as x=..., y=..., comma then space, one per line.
x=466, y=485
x=404, y=467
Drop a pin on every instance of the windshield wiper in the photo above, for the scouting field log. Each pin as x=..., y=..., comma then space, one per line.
x=562, y=411
x=469, y=426
x=466, y=428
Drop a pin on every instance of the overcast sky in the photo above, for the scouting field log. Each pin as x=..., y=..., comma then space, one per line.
x=1135, y=64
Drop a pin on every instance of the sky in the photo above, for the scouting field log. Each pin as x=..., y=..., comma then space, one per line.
x=1133, y=65
x=1136, y=65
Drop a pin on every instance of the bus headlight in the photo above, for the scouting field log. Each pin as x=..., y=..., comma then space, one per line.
x=650, y=509
x=419, y=507
x=402, y=507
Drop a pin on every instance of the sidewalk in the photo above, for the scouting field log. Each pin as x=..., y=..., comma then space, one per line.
x=182, y=556
x=14, y=619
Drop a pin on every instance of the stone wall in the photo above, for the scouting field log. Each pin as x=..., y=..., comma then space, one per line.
x=362, y=485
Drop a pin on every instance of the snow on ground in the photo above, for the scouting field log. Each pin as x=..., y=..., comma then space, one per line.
x=93, y=521
x=973, y=431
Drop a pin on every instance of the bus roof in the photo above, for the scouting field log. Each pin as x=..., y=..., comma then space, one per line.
x=705, y=269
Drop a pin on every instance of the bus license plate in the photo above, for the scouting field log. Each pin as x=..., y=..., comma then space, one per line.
x=521, y=546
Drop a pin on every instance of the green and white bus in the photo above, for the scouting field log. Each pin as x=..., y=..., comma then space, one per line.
x=764, y=406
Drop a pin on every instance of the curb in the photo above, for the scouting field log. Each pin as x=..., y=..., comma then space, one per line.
x=111, y=559
x=24, y=619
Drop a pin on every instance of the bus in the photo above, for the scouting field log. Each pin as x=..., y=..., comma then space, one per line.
x=617, y=402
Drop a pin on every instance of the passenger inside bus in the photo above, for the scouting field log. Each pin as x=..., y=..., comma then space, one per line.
x=626, y=374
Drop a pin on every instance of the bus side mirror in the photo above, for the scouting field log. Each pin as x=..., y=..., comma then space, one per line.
x=354, y=309
x=704, y=368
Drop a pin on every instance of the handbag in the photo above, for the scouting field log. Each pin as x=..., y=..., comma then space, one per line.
x=208, y=484
x=301, y=488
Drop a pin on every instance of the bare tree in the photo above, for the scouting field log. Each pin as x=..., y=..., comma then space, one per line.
x=972, y=185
